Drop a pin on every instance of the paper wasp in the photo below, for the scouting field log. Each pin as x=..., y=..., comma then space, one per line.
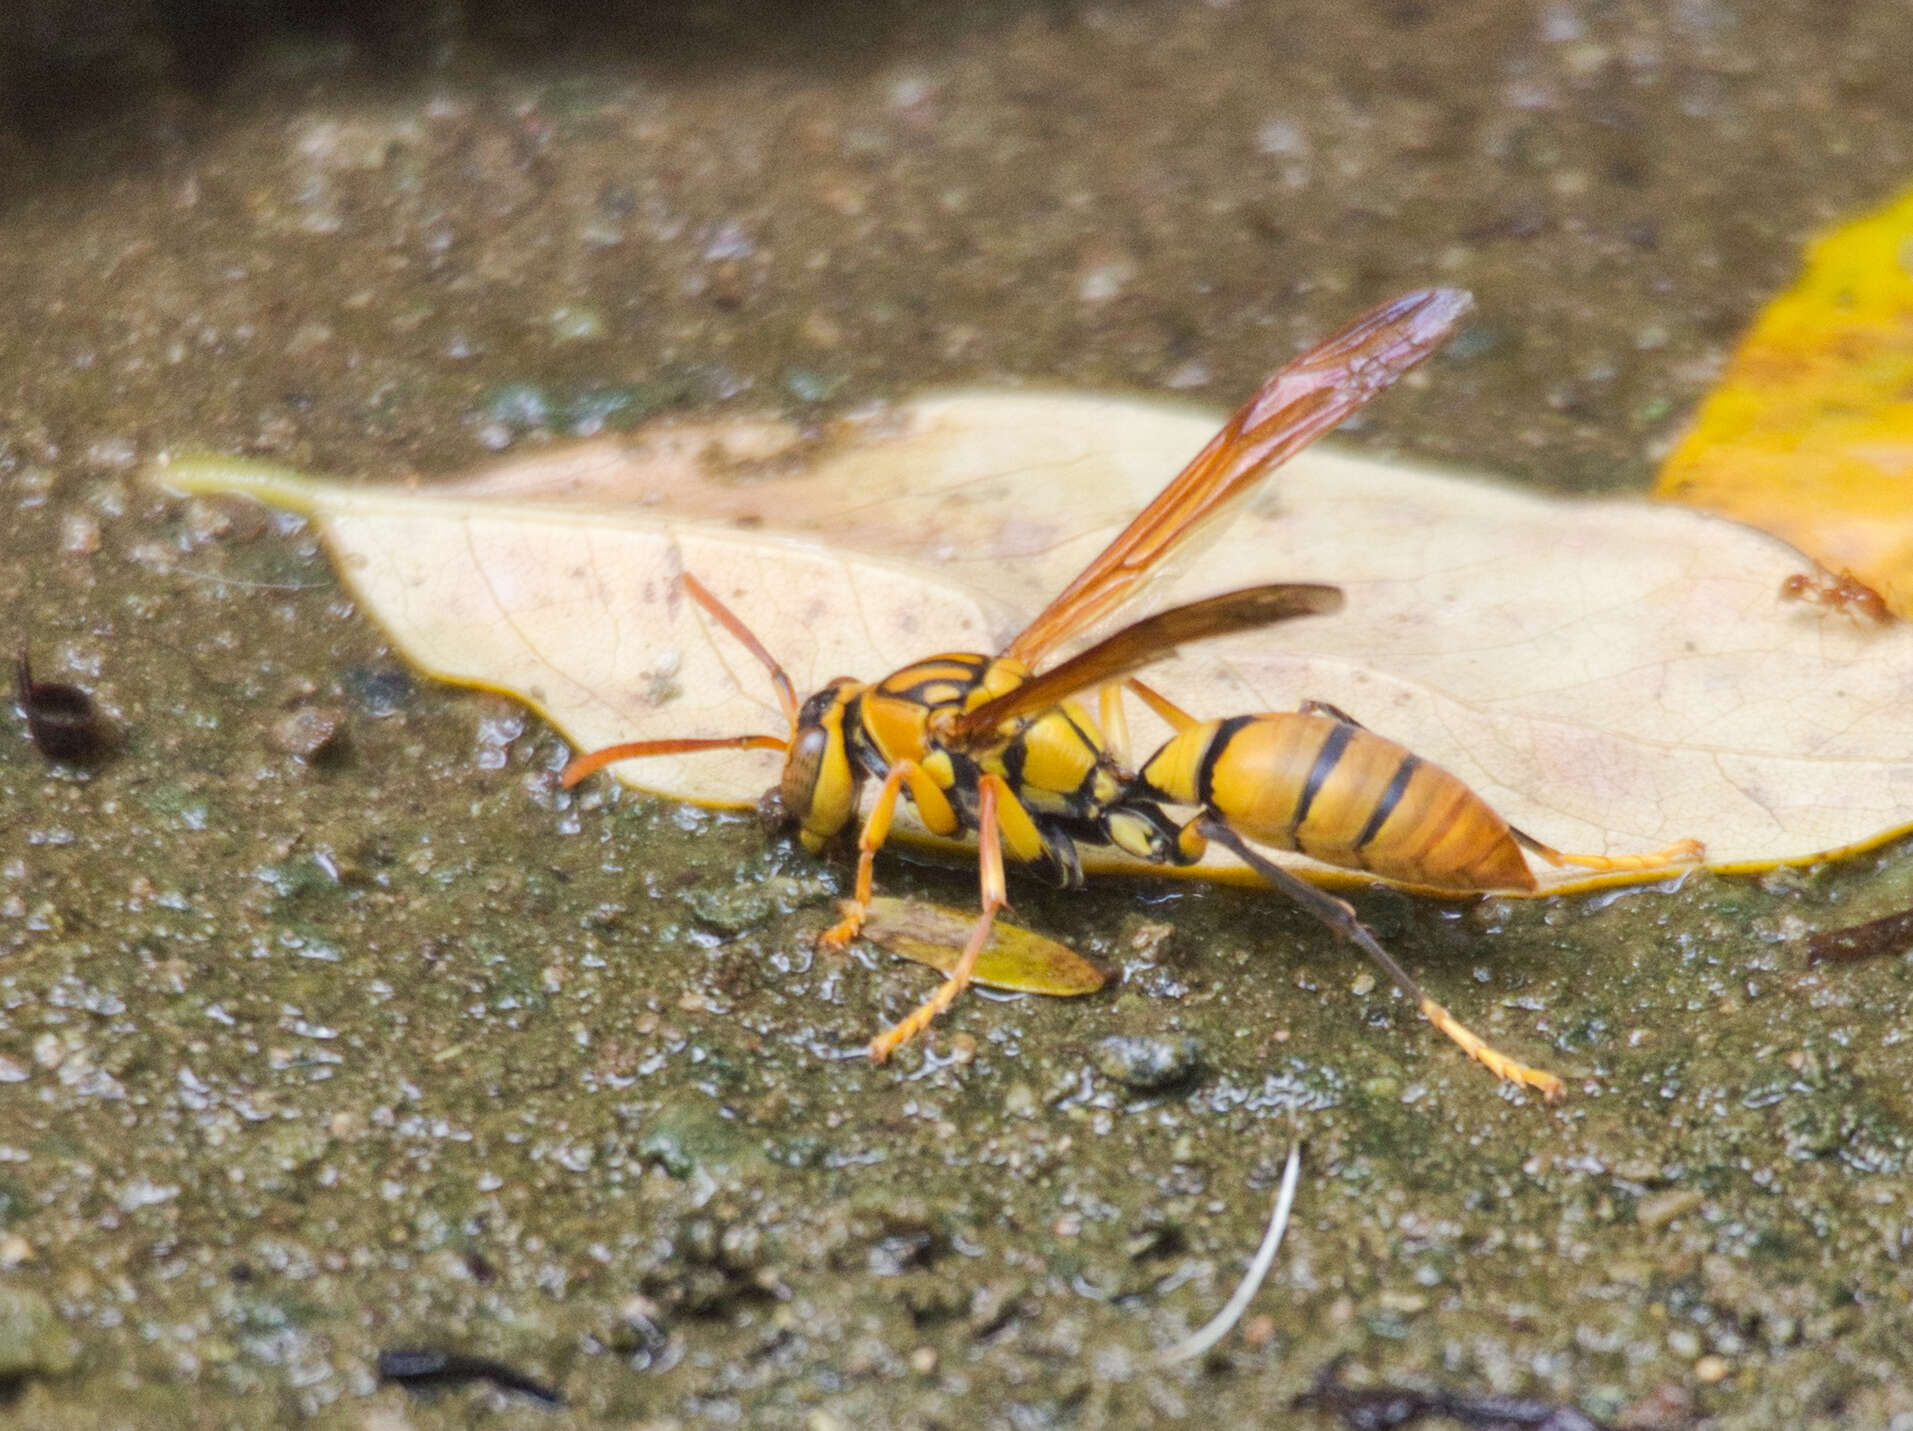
x=993, y=745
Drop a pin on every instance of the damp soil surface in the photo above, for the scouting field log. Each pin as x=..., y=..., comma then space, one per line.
x=329, y=1027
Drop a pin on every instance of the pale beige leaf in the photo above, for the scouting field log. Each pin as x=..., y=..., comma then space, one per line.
x=1006, y=492
x=578, y=612
x=1611, y=676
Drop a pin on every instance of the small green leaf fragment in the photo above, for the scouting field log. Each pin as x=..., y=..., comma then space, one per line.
x=1014, y=959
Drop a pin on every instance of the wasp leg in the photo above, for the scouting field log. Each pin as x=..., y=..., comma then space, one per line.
x=1681, y=852
x=1064, y=859
x=1172, y=714
x=1323, y=708
x=995, y=896
x=1339, y=916
x=1115, y=723
x=931, y=802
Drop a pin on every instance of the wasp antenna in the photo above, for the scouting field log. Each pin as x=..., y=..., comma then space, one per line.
x=591, y=762
x=729, y=620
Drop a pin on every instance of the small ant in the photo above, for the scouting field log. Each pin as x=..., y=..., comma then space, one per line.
x=1845, y=592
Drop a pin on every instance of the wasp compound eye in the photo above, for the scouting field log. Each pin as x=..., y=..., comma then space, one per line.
x=802, y=767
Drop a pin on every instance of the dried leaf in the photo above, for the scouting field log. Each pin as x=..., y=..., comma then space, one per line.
x=1810, y=433
x=1611, y=676
x=576, y=610
x=1014, y=959
x=1889, y=934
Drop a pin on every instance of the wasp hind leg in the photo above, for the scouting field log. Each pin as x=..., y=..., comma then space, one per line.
x=989, y=841
x=1115, y=723
x=1336, y=713
x=1681, y=852
x=931, y=803
x=1171, y=714
x=1339, y=916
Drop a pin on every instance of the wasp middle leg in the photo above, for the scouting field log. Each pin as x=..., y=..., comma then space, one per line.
x=933, y=805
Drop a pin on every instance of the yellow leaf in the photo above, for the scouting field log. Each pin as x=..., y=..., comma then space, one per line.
x=1610, y=676
x=1810, y=433
x=1015, y=959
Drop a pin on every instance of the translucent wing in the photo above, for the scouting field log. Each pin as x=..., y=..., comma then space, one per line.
x=1293, y=408
x=1141, y=642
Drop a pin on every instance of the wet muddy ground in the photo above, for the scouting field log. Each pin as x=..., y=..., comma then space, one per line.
x=328, y=1026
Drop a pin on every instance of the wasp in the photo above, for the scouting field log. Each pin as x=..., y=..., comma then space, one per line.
x=1003, y=747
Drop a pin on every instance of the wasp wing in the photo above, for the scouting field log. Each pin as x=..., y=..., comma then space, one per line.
x=1142, y=642
x=1293, y=408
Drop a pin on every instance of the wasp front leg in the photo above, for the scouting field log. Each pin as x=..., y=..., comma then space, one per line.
x=932, y=804
x=989, y=790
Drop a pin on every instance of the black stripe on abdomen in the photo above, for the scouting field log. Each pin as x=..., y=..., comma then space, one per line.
x=1326, y=759
x=1391, y=797
x=1206, y=771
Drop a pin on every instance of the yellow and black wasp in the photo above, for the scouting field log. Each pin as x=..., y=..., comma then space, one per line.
x=996, y=746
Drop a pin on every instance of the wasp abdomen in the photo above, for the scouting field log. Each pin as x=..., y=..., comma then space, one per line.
x=1340, y=794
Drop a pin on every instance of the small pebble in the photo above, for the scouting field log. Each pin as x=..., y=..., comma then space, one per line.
x=1659, y=1209
x=33, y=1339
x=1147, y=1063
x=820, y=330
x=79, y=534
x=576, y=323
x=309, y=733
x=1258, y=1332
